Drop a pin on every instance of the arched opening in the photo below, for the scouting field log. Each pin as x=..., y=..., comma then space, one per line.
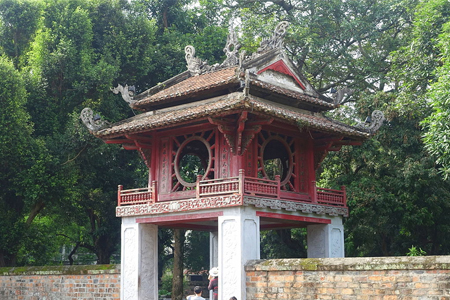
x=193, y=158
x=276, y=159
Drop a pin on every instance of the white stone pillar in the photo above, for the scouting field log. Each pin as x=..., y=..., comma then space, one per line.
x=213, y=249
x=213, y=253
x=139, y=261
x=326, y=240
x=238, y=242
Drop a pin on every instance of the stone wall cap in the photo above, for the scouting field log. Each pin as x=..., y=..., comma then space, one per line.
x=61, y=270
x=351, y=264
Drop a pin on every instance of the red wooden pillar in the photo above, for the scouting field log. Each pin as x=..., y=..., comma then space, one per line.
x=119, y=190
x=313, y=192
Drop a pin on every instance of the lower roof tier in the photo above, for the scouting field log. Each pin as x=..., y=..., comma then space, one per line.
x=227, y=105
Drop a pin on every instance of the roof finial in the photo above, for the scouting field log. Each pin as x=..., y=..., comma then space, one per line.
x=231, y=49
x=276, y=41
x=126, y=92
x=93, y=123
x=374, y=123
x=194, y=64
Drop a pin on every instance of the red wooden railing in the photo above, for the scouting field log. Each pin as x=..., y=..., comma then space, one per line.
x=136, y=196
x=243, y=185
x=240, y=184
x=330, y=197
x=211, y=187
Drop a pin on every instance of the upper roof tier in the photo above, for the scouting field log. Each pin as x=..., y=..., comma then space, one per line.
x=267, y=73
x=267, y=81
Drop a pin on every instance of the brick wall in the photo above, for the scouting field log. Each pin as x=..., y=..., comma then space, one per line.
x=60, y=283
x=383, y=278
x=376, y=278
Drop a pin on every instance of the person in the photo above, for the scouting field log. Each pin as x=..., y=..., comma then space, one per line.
x=198, y=294
x=214, y=282
x=233, y=298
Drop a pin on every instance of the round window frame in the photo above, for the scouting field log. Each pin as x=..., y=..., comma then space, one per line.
x=178, y=158
x=289, y=152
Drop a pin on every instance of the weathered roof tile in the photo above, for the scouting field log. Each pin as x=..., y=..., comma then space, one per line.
x=191, y=85
x=222, y=106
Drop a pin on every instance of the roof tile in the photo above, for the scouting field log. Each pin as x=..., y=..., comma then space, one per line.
x=192, y=85
x=222, y=106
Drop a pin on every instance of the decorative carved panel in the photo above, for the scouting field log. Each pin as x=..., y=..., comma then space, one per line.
x=295, y=206
x=224, y=159
x=165, y=165
x=177, y=206
x=231, y=256
x=130, y=267
x=336, y=243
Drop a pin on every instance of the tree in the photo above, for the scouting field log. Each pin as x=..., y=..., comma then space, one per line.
x=177, y=279
x=196, y=251
x=19, y=22
x=82, y=48
x=335, y=44
x=433, y=21
x=395, y=196
x=23, y=162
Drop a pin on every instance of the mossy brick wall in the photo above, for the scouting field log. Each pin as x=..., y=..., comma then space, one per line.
x=60, y=283
x=371, y=278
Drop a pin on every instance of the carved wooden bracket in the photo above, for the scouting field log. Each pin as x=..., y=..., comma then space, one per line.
x=322, y=146
x=240, y=131
x=144, y=146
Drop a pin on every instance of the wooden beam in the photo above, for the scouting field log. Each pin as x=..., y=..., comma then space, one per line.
x=141, y=138
x=119, y=141
x=292, y=217
x=195, y=217
x=130, y=146
x=143, y=145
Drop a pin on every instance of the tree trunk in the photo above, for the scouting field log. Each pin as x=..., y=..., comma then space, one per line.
x=8, y=260
x=177, y=280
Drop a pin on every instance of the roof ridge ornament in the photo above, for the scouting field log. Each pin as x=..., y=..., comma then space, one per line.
x=195, y=65
x=373, y=123
x=339, y=95
x=126, y=91
x=276, y=41
x=231, y=49
x=93, y=123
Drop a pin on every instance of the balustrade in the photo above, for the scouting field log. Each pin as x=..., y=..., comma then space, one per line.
x=136, y=196
x=241, y=184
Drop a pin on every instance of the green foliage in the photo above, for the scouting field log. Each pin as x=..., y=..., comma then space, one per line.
x=283, y=243
x=17, y=156
x=59, y=182
x=395, y=194
x=334, y=43
x=18, y=24
x=166, y=284
x=414, y=251
x=196, y=251
x=414, y=64
x=437, y=130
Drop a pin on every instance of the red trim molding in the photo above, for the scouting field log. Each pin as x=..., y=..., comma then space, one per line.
x=293, y=218
x=183, y=218
x=281, y=67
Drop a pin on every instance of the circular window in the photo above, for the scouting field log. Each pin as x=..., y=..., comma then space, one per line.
x=277, y=159
x=193, y=158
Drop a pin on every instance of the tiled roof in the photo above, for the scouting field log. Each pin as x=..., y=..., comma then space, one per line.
x=191, y=85
x=225, y=105
x=315, y=121
x=292, y=94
